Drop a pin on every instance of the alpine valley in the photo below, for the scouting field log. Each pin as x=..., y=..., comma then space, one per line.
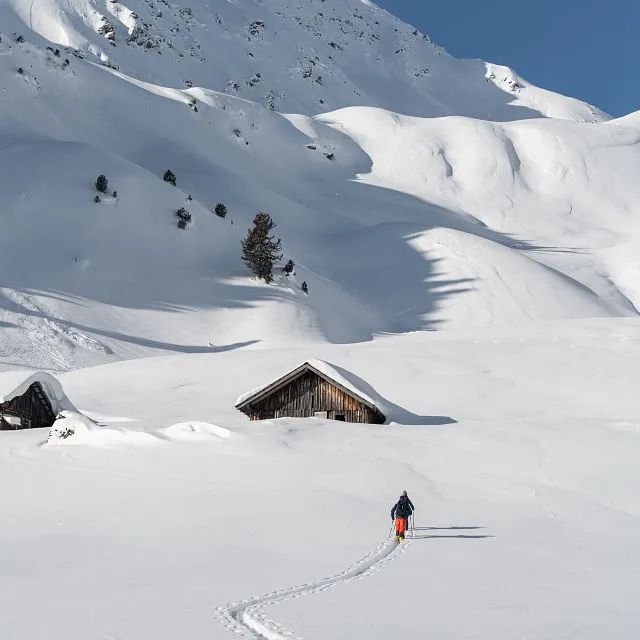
x=465, y=243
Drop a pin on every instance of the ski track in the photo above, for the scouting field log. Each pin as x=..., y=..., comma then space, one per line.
x=248, y=620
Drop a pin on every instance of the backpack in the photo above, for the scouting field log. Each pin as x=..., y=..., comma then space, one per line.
x=402, y=508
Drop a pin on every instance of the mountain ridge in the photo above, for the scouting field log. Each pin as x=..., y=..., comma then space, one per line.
x=301, y=57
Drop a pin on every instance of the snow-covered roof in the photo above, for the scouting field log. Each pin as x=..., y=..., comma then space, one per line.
x=324, y=369
x=15, y=383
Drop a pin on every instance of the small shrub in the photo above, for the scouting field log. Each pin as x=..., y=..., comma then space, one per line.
x=114, y=194
x=304, y=287
x=169, y=177
x=220, y=210
x=288, y=268
x=65, y=433
x=97, y=199
x=102, y=183
x=184, y=218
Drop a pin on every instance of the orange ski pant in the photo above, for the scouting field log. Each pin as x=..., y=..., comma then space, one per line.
x=401, y=526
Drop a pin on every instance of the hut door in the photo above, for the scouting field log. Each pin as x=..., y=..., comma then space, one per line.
x=340, y=417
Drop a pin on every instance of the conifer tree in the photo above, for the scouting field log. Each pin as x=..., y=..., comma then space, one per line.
x=169, y=177
x=102, y=183
x=304, y=287
x=260, y=249
x=289, y=267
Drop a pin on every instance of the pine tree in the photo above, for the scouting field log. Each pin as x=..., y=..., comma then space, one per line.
x=304, y=287
x=221, y=210
x=102, y=183
x=169, y=177
x=184, y=218
x=289, y=267
x=260, y=249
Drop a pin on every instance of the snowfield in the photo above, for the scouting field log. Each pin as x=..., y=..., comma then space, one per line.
x=520, y=452
x=471, y=246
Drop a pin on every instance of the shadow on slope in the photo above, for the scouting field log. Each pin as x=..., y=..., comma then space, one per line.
x=10, y=305
x=464, y=536
x=352, y=241
x=392, y=411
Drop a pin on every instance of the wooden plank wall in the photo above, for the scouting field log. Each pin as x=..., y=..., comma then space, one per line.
x=306, y=395
x=33, y=405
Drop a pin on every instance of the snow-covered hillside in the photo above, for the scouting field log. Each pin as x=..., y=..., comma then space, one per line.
x=396, y=223
x=519, y=450
x=471, y=246
x=303, y=56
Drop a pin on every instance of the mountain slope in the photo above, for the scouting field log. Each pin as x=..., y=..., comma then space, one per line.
x=564, y=191
x=396, y=223
x=294, y=56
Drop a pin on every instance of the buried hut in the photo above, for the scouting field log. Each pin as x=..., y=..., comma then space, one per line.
x=314, y=389
x=30, y=399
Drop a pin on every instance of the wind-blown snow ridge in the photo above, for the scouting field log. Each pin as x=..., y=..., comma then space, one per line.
x=247, y=618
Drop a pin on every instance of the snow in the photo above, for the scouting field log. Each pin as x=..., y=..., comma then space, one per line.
x=554, y=189
x=169, y=531
x=298, y=57
x=196, y=432
x=470, y=243
x=15, y=383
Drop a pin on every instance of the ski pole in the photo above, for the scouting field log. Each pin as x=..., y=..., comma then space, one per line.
x=390, y=530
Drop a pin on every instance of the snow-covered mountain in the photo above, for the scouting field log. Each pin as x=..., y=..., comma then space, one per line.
x=438, y=193
x=490, y=226
x=302, y=56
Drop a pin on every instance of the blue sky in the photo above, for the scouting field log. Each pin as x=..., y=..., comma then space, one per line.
x=583, y=48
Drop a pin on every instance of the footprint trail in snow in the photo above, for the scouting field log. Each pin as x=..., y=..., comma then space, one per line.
x=247, y=618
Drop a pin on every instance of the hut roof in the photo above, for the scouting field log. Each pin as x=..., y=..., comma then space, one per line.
x=15, y=383
x=322, y=369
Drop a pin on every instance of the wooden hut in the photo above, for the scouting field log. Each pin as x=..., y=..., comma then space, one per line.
x=314, y=389
x=29, y=400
